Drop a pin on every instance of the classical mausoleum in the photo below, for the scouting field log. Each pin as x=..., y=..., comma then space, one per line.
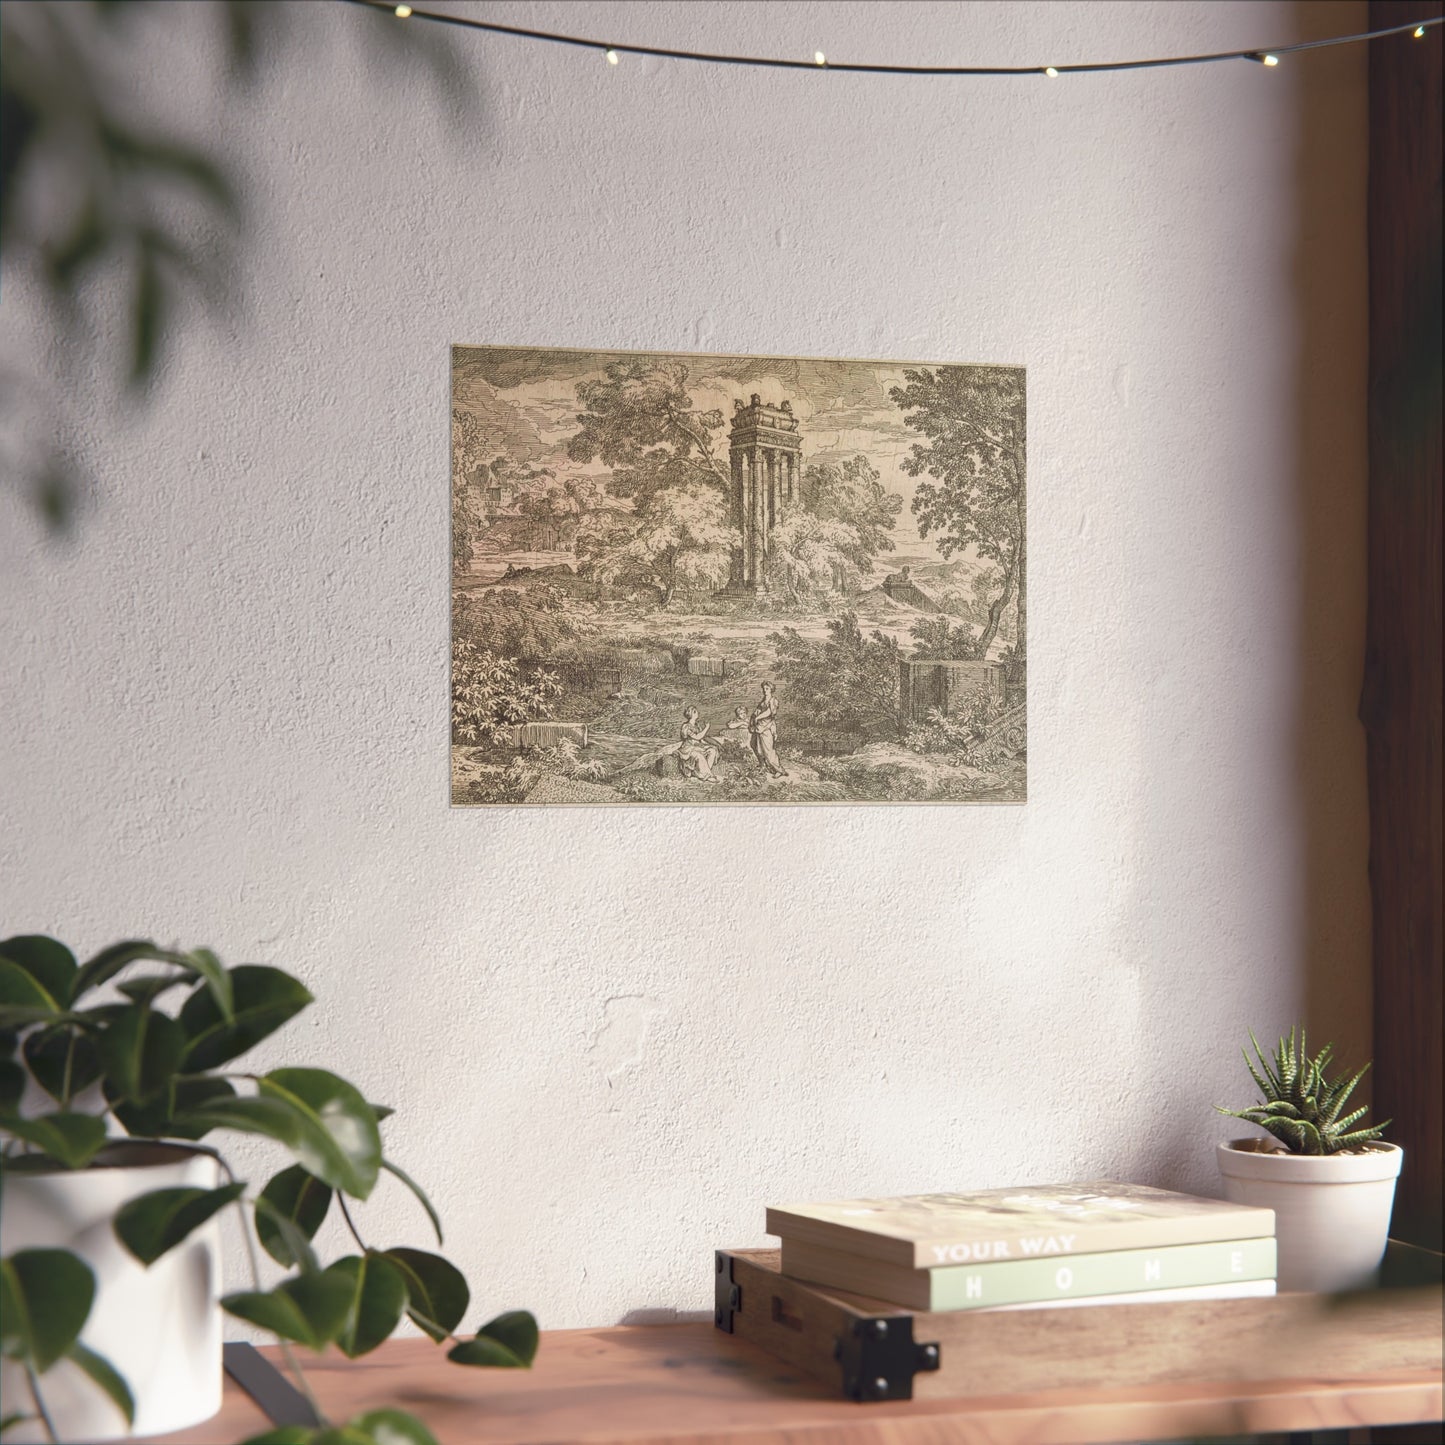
x=766, y=451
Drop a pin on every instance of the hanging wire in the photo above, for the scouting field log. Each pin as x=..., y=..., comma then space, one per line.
x=612, y=49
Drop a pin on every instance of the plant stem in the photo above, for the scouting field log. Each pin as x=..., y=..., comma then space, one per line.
x=292, y=1363
x=69, y=1067
x=361, y=1244
x=346, y=1215
x=39, y=1403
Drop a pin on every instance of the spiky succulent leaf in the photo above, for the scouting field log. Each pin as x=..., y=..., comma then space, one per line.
x=1300, y=1105
x=1260, y=1083
x=1360, y=1136
x=1338, y=1126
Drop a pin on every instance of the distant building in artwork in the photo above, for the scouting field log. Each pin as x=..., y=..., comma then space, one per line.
x=497, y=497
x=766, y=451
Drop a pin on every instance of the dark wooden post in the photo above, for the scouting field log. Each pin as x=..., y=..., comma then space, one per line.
x=1400, y=703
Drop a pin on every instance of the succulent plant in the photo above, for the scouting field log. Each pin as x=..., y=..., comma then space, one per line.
x=1301, y=1107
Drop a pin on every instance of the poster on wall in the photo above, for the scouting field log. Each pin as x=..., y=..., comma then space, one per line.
x=691, y=579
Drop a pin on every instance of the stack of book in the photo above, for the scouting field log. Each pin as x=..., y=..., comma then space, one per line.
x=1031, y=1247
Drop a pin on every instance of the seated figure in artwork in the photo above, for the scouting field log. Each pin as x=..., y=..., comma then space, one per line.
x=697, y=754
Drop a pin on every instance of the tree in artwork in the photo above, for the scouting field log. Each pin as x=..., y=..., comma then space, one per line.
x=973, y=419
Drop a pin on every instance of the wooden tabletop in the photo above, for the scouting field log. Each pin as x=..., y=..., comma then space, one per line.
x=694, y=1385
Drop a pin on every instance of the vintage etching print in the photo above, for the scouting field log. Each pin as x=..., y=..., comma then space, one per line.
x=736, y=579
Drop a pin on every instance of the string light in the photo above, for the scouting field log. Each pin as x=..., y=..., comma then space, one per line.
x=1261, y=56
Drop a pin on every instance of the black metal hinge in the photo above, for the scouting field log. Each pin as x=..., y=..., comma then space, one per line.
x=880, y=1357
x=727, y=1296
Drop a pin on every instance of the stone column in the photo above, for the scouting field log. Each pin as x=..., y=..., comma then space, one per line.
x=755, y=516
x=738, y=510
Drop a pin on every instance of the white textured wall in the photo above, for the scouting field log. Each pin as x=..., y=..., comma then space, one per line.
x=613, y=1036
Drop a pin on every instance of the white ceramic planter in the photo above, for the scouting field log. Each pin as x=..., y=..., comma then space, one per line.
x=1331, y=1212
x=160, y=1327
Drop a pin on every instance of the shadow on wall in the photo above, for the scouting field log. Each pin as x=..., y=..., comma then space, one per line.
x=1331, y=296
x=1329, y=975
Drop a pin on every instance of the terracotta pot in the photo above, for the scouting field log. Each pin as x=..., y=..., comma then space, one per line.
x=160, y=1327
x=1331, y=1211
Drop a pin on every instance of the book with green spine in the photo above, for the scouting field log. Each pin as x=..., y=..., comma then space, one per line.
x=924, y=1231
x=1034, y=1281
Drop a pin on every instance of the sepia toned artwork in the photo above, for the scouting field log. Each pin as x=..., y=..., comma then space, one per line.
x=736, y=579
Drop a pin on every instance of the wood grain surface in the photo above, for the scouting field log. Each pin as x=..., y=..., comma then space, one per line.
x=670, y=1384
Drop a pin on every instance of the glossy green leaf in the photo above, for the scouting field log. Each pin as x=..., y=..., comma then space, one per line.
x=437, y=1293
x=187, y=1094
x=109, y=962
x=23, y=999
x=268, y=1117
x=382, y=1111
x=393, y=1427
x=310, y=1310
x=45, y=1299
x=341, y=1435
x=10, y=1041
x=378, y=1296
x=104, y=1374
x=64, y=1061
x=14, y=1326
x=165, y=1116
x=298, y=1196
x=263, y=999
x=340, y=1143
x=303, y=1257
x=72, y=1139
x=12, y=1086
x=283, y=1435
x=213, y=971
x=420, y=1193
x=151, y=1224
x=278, y=1115
x=507, y=1342
x=50, y=964
x=151, y=986
x=141, y=1051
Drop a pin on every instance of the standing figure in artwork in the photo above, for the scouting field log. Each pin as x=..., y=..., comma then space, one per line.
x=763, y=725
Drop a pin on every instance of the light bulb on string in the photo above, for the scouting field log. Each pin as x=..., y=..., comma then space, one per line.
x=1260, y=57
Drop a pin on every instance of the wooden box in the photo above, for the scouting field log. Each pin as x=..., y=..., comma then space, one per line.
x=870, y=1350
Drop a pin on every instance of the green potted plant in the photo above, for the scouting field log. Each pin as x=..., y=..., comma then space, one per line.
x=1331, y=1185
x=114, y=1086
